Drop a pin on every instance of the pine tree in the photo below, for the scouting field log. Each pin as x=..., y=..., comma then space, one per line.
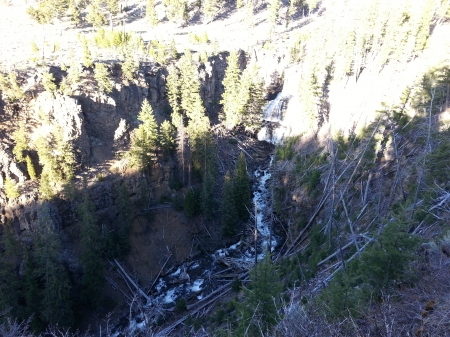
x=210, y=8
x=230, y=98
x=87, y=57
x=95, y=15
x=274, y=10
x=252, y=98
x=73, y=74
x=10, y=87
x=55, y=303
x=191, y=101
x=91, y=259
x=151, y=13
x=101, y=76
x=75, y=14
x=166, y=137
x=113, y=6
x=250, y=17
x=21, y=140
x=241, y=188
x=30, y=168
x=259, y=310
x=46, y=190
x=173, y=91
x=145, y=139
x=229, y=215
x=207, y=195
x=65, y=157
x=11, y=189
x=173, y=53
x=48, y=82
x=9, y=285
x=129, y=66
x=192, y=202
x=33, y=295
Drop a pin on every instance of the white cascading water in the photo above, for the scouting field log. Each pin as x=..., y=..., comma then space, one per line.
x=281, y=114
x=194, y=279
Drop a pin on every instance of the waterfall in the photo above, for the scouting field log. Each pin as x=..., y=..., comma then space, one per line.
x=280, y=117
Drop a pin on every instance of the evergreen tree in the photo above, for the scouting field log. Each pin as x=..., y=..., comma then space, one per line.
x=252, y=98
x=173, y=91
x=145, y=139
x=95, y=16
x=207, y=195
x=259, y=312
x=32, y=293
x=250, y=17
x=91, y=259
x=129, y=66
x=30, y=168
x=210, y=8
x=55, y=297
x=117, y=243
x=173, y=53
x=152, y=17
x=11, y=189
x=48, y=10
x=192, y=202
x=191, y=101
x=112, y=6
x=21, y=140
x=176, y=10
x=65, y=156
x=228, y=210
x=166, y=137
x=9, y=285
x=87, y=57
x=10, y=87
x=274, y=10
x=231, y=97
x=75, y=14
x=241, y=188
x=48, y=82
x=101, y=76
x=73, y=74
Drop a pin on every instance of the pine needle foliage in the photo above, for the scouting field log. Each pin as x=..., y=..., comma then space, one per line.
x=91, y=258
x=145, y=139
x=55, y=297
x=152, y=17
x=48, y=82
x=101, y=76
x=21, y=139
x=229, y=214
x=30, y=168
x=129, y=66
x=11, y=189
x=231, y=97
x=166, y=137
x=241, y=188
x=173, y=91
x=259, y=310
x=10, y=87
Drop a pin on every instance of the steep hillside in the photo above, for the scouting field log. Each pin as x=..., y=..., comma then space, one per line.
x=142, y=193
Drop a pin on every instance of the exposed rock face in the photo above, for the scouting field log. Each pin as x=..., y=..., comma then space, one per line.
x=8, y=167
x=65, y=112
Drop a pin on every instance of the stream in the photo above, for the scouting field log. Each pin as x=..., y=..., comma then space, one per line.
x=194, y=280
